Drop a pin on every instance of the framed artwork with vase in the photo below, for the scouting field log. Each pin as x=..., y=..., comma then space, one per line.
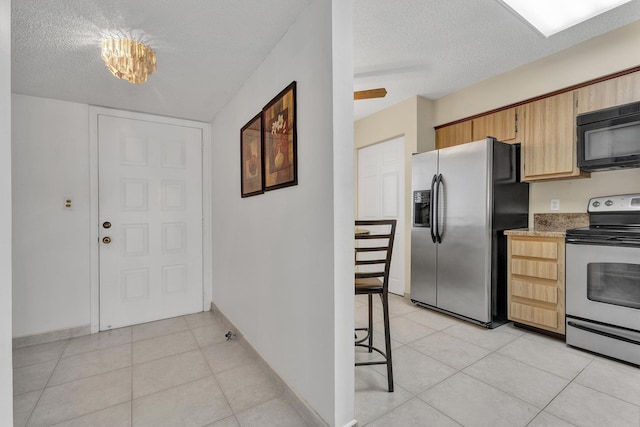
x=279, y=140
x=251, y=157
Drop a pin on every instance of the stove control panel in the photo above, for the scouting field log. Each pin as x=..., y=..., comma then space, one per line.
x=618, y=203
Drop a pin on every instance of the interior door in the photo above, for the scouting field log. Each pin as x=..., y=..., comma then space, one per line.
x=150, y=220
x=381, y=196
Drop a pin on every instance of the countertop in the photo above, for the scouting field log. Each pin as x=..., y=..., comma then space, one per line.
x=551, y=225
x=532, y=232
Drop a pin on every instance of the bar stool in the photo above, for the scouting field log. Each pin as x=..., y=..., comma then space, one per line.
x=375, y=281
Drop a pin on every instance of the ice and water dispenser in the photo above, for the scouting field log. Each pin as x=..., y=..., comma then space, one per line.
x=421, y=208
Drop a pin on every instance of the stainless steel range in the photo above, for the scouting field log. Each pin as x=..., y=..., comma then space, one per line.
x=603, y=279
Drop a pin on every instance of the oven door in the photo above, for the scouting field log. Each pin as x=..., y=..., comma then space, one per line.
x=603, y=284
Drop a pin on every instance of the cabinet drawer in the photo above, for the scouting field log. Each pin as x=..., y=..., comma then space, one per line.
x=534, y=291
x=532, y=268
x=548, y=250
x=537, y=315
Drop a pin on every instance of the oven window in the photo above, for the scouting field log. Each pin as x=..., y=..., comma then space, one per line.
x=614, y=283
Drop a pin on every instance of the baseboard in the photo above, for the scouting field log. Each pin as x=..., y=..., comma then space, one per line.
x=46, y=337
x=306, y=412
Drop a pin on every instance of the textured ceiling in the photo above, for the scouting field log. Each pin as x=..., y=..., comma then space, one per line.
x=206, y=49
x=436, y=47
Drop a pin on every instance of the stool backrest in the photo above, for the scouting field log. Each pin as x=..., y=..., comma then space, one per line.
x=378, y=254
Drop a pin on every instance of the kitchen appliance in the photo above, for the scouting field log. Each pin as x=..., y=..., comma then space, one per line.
x=603, y=279
x=464, y=197
x=609, y=139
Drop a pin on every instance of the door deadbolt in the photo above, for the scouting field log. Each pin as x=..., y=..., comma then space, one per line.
x=106, y=224
x=106, y=240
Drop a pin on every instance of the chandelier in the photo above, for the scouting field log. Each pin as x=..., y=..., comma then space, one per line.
x=128, y=59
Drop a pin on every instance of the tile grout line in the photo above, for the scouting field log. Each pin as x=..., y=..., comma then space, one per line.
x=226, y=399
x=45, y=385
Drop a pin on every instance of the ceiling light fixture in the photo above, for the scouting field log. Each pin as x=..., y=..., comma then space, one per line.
x=128, y=59
x=552, y=16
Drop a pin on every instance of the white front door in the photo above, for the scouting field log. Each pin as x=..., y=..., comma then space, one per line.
x=150, y=220
x=381, y=196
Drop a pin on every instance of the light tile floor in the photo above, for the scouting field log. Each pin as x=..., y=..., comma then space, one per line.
x=451, y=373
x=174, y=372
x=182, y=372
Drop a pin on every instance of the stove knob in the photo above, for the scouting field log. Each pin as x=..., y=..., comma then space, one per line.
x=595, y=204
x=608, y=203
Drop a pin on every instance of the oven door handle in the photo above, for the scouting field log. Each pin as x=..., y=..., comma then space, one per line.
x=603, y=333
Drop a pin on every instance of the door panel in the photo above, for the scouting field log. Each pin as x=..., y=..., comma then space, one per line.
x=424, y=252
x=381, y=196
x=150, y=190
x=463, y=256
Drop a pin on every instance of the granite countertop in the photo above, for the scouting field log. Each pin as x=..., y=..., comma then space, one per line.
x=532, y=232
x=552, y=225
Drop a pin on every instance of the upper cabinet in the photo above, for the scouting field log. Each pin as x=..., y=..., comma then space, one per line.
x=547, y=128
x=609, y=93
x=501, y=125
x=457, y=134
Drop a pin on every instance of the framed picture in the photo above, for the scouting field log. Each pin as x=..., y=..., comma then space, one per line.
x=279, y=139
x=251, y=157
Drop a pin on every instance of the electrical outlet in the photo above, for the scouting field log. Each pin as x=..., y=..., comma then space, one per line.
x=68, y=204
x=555, y=204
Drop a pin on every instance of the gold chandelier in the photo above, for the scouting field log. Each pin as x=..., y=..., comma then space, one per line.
x=128, y=59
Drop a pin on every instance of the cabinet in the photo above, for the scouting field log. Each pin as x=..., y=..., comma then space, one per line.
x=535, y=286
x=547, y=128
x=500, y=125
x=609, y=93
x=457, y=134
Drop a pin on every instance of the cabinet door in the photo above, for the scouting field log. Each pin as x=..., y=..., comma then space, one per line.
x=457, y=134
x=609, y=93
x=500, y=125
x=548, y=138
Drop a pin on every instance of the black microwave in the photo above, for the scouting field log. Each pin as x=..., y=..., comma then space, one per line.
x=609, y=139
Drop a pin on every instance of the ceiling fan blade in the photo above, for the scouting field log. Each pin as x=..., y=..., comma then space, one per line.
x=371, y=93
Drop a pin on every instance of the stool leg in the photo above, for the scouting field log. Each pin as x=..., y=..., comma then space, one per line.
x=370, y=331
x=387, y=339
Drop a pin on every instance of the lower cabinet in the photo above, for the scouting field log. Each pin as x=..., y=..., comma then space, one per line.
x=535, y=290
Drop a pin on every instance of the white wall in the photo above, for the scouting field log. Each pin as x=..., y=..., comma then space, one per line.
x=51, y=268
x=283, y=260
x=6, y=382
x=343, y=214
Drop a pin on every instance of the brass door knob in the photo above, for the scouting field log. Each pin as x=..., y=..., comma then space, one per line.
x=106, y=224
x=106, y=240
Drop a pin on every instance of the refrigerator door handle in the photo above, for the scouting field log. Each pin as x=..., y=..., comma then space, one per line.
x=432, y=217
x=439, y=183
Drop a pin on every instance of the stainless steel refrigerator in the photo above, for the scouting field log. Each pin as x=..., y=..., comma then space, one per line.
x=464, y=197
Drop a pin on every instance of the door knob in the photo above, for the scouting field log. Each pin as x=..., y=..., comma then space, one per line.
x=106, y=240
x=106, y=224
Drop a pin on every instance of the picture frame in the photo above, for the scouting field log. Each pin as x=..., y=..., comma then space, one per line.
x=279, y=138
x=251, y=169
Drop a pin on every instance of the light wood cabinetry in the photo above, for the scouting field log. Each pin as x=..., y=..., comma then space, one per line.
x=609, y=93
x=535, y=290
x=448, y=136
x=547, y=128
x=500, y=125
